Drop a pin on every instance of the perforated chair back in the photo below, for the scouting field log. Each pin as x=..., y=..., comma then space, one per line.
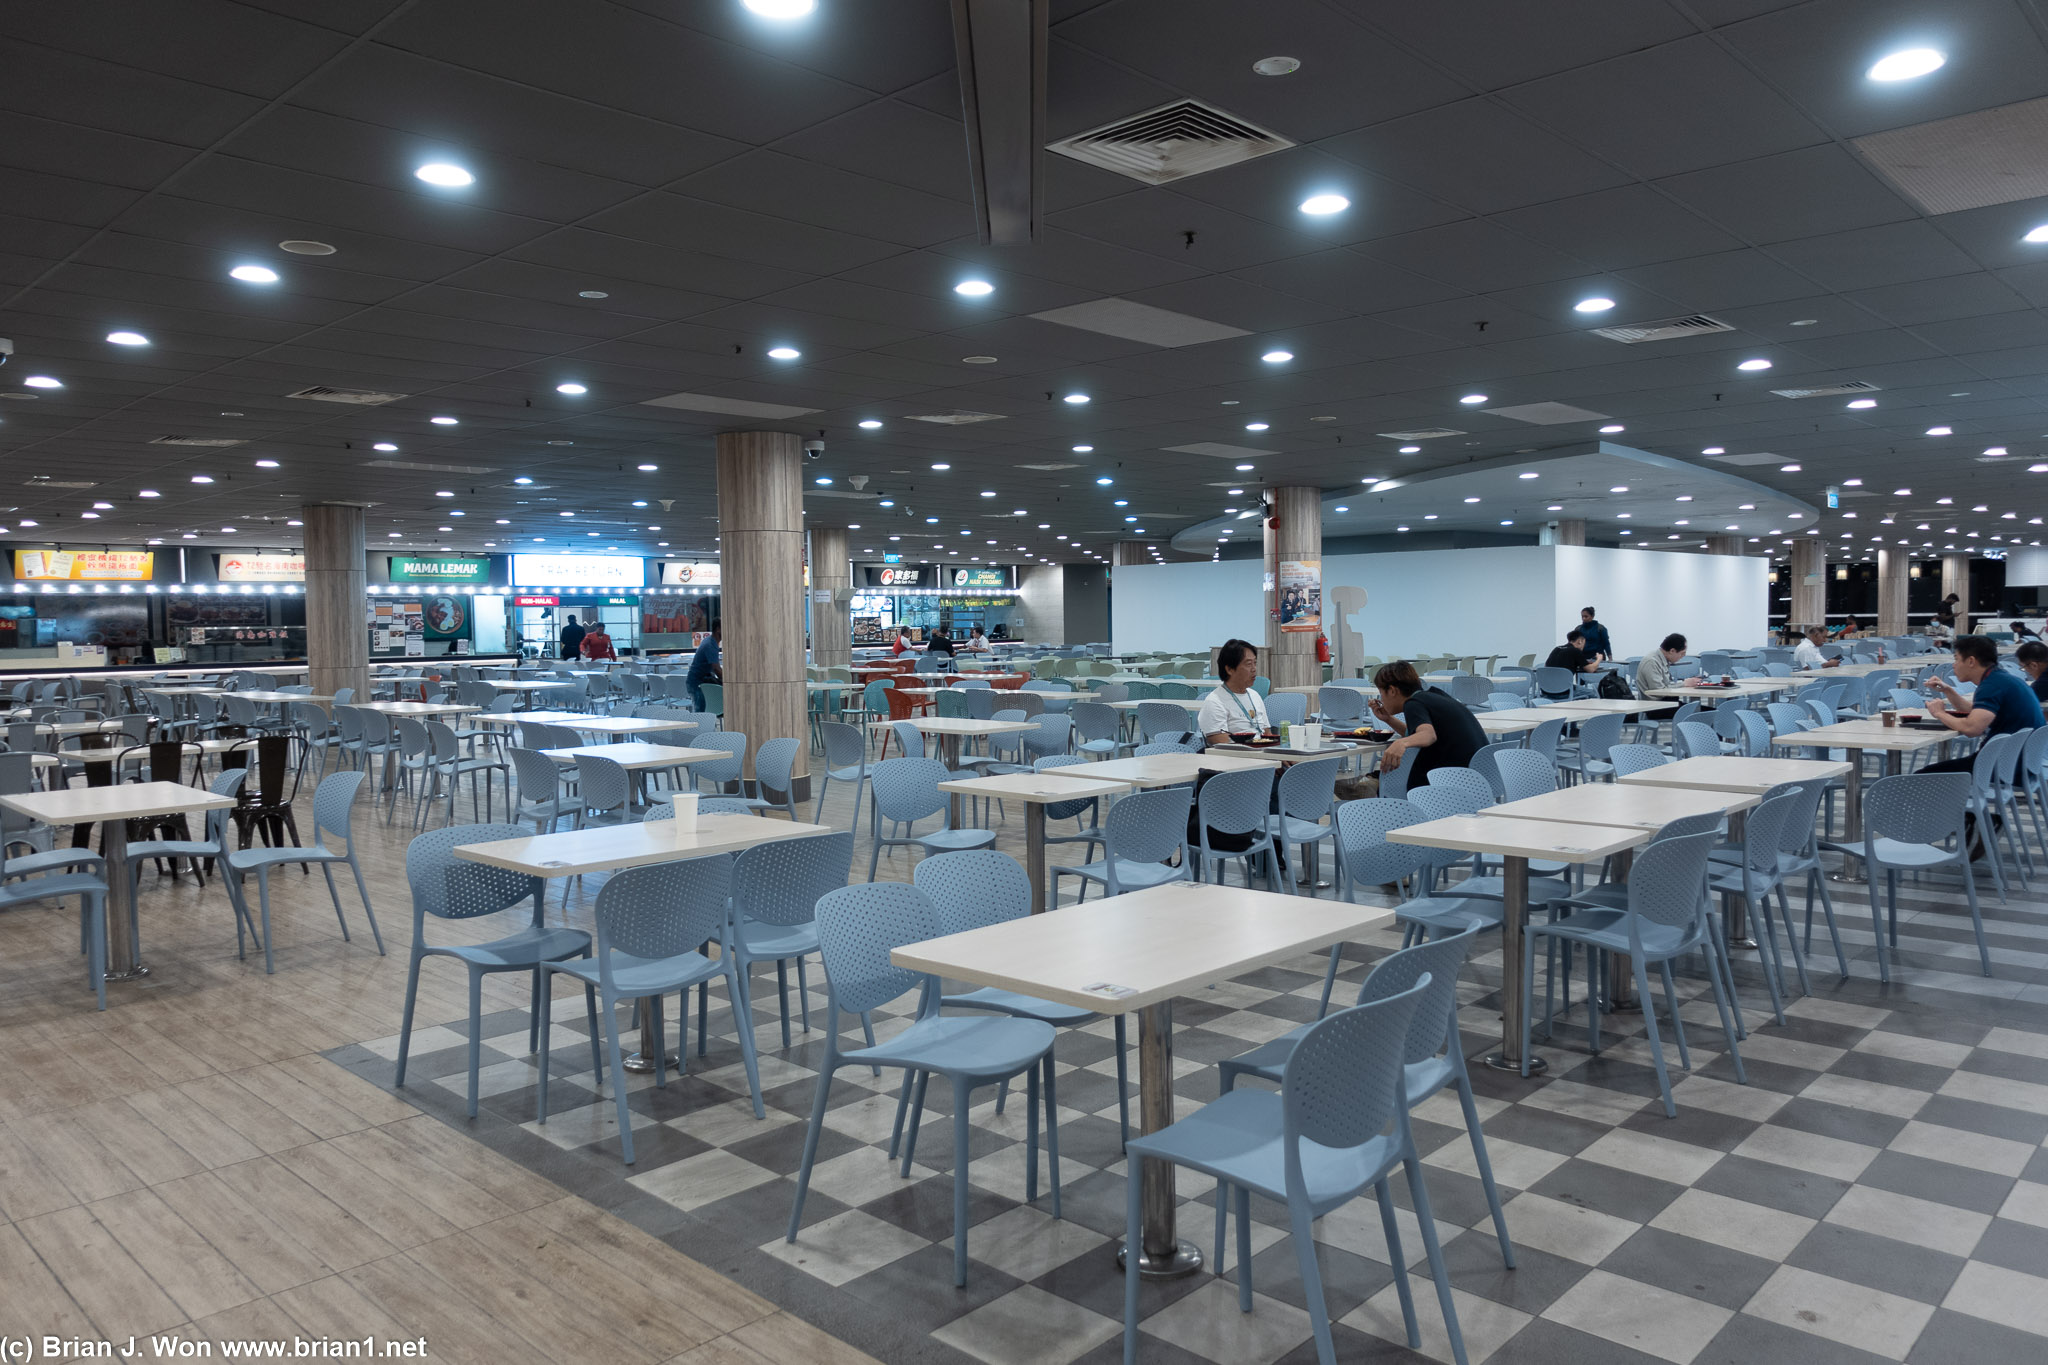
x=1690, y=739
x=1471, y=690
x=1343, y=1082
x=1339, y=705
x=1236, y=802
x=1754, y=734
x=1309, y=790
x=775, y=766
x=719, y=770
x=844, y=745
x=1598, y=735
x=1635, y=758
x=780, y=882
x=1437, y=962
x=1362, y=826
x=448, y=887
x=1148, y=826
x=1543, y=739
x=974, y=889
x=662, y=910
x=859, y=926
x=1470, y=788
x=602, y=784
x=1287, y=708
x=1485, y=762
x=1916, y=808
x=1554, y=682
x=539, y=778
x=907, y=789
x=1095, y=722
x=1665, y=881
x=1162, y=718
x=334, y=807
x=1786, y=719
x=1523, y=772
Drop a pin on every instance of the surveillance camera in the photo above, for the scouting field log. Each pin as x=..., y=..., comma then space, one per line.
x=814, y=449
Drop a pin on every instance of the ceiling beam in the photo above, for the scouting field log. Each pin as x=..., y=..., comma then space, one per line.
x=999, y=46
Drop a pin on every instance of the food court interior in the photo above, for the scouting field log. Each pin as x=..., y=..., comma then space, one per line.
x=1250, y=683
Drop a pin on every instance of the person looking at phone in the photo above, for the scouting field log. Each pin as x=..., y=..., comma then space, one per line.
x=1436, y=723
x=1234, y=709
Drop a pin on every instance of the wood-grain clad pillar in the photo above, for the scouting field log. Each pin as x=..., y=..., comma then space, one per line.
x=1129, y=552
x=1569, y=531
x=337, y=620
x=1809, y=605
x=1289, y=657
x=1724, y=545
x=1892, y=568
x=761, y=577
x=831, y=626
x=1955, y=578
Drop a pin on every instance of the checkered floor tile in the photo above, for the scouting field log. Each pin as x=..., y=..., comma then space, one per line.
x=1877, y=1191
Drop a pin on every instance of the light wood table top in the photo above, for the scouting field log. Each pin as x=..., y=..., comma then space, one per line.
x=1042, y=789
x=267, y=698
x=1513, y=722
x=1163, y=770
x=1535, y=715
x=1731, y=773
x=121, y=801
x=961, y=725
x=638, y=755
x=1741, y=687
x=524, y=685
x=1866, y=734
x=1186, y=703
x=1557, y=840
x=1606, y=803
x=607, y=848
x=1126, y=952
x=1607, y=706
x=77, y=727
x=417, y=708
x=833, y=686
x=585, y=722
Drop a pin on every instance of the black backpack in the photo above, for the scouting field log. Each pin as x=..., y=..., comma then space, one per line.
x=1612, y=686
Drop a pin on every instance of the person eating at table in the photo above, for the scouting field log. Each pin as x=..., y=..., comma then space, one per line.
x=977, y=643
x=1234, y=709
x=2001, y=705
x=1436, y=725
x=1655, y=669
x=1808, y=654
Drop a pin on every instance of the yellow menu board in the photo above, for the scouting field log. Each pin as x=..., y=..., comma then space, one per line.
x=85, y=565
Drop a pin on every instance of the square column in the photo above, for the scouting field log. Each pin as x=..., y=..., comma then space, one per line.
x=1289, y=657
x=831, y=623
x=761, y=576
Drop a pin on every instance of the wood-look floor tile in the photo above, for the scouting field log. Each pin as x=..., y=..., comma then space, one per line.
x=195, y=1128
x=633, y=1255
x=342, y=1238
x=116, y=1293
x=198, y=1278
x=34, y=1301
x=268, y=1251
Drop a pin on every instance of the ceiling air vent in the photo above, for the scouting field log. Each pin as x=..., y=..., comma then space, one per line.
x=1425, y=434
x=425, y=468
x=1047, y=468
x=1853, y=386
x=1699, y=324
x=366, y=398
x=211, y=441
x=1171, y=143
x=956, y=419
x=45, y=481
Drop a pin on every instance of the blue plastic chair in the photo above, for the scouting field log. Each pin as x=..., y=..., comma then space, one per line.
x=1916, y=822
x=1753, y=870
x=846, y=760
x=1596, y=737
x=982, y=887
x=214, y=847
x=1287, y=708
x=1098, y=728
x=333, y=807
x=651, y=924
x=64, y=872
x=775, y=891
x=858, y=927
x=1370, y=860
x=1666, y=918
x=1307, y=796
x=450, y=888
x=1434, y=1060
x=1237, y=803
x=1635, y=758
x=906, y=790
x=1315, y=1146
x=1139, y=834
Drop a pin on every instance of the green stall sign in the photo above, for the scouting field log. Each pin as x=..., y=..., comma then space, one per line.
x=440, y=569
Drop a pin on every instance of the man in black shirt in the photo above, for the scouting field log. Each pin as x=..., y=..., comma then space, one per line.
x=1572, y=654
x=1434, y=724
x=2032, y=657
x=572, y=639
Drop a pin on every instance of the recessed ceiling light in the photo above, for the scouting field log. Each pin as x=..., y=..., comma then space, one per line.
x=1754, y=365
x=149, y=493
x=1611, y=428
x=1084, y=450
x=1255, y=426
x=202, y=478
x=1902, y=492
x=443, y=421
x=942, y=468
x=128, y=338
x=1234, y=492
x=43, y=381
x=266, y=464
x=1906, y=65
x=1788, y=469
x=1715, y=450
x=1863, y=402
x=1528, y=474
x=869, y=424
x=1473, y=400
x=504, y=521
x=2039, y=234
x=592, y=294
x=443, y=493
x=522, y=479
x=445, y=174
x=781, y=9
x=254, y=274
x=1243, y=468
x=1746, y=507
x=227, y=530
x=988, y=492
x=1411, y=450
x=1941, y=431
x=1619, y=488
x=1593, y=305
x=1683, y=497
x=974, y=288
x=1077, y=398
x=1322, y=205
x=299, y=246
x=783, y=353
x=823, y=481
x=1471, y=500
x=1277, y=66
x=1105, y=482
x=570, y=388
x=89, y=516
x=1994, y=450
x=1555, y=507
x=644, y=469
x=384, y=445
x=1277, y=357
x=565, y=514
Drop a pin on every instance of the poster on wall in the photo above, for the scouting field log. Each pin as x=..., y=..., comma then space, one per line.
x=84, y=565
x=414, y=617
x=1301, y=595
x=252, y=568
x=676, y=573
x=447, y=618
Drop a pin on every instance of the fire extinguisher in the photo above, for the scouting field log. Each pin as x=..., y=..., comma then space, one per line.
x=1322, y=648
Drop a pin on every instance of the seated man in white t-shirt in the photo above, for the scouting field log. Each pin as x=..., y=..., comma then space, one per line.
x=1808, y=654
x=1234, y=708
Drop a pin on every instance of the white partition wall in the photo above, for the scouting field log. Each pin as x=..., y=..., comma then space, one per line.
x=1714, y=601
x=1510, y=600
